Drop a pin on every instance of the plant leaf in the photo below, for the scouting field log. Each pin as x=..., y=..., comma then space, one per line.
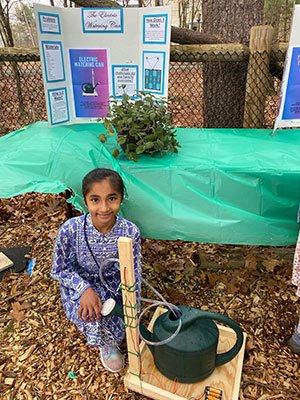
x=102, y=138
x=121, y=139
x=115, y=153
x=140, y=149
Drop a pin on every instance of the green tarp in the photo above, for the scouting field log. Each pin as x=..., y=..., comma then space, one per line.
x=238, y=186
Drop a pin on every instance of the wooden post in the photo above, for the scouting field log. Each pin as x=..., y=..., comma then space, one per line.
x=258, y=81
x=129, y=304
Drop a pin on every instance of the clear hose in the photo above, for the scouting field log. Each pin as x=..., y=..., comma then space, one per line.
x=172, y=307
x=155, y=303
x=102, y=267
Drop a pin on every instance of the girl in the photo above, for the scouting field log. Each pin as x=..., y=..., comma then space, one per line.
x=294, y=341
x=85, y=263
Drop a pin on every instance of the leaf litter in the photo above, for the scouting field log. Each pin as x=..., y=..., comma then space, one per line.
x=44, y=357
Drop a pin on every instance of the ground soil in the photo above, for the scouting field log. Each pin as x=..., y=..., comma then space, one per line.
x=44, y=357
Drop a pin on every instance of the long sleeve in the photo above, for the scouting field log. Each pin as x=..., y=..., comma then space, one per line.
x=296, y=267
x=64, y=262
x=137, y=260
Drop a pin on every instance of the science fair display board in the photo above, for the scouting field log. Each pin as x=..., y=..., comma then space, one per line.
x=289, y=105
x=90, y=54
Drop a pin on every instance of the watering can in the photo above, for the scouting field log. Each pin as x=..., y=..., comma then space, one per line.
x=88, y=87
x=191, y=355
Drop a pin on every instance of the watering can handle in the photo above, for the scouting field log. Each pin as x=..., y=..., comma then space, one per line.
x=223, y=358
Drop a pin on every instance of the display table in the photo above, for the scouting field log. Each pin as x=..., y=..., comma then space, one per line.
x=239, y=186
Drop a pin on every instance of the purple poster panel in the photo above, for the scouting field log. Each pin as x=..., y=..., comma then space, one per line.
x=292, y=97
x=89, y=70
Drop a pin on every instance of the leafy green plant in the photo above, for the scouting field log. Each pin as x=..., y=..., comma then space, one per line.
x=142, y=125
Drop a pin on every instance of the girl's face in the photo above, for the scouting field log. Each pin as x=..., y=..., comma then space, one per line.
x=103, y=202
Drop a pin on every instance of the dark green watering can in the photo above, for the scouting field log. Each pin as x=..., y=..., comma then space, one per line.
x=88, y=87
x=192, y=354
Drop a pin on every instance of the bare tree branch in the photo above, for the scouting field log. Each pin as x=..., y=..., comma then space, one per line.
x=97, y=3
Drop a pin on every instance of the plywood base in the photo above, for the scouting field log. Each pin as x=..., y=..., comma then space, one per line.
x=156, y=386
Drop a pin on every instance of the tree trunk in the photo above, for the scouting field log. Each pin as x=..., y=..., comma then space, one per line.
x=9, y=42
x=225, y=83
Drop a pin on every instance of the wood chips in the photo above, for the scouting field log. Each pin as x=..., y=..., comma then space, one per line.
x=43, y=356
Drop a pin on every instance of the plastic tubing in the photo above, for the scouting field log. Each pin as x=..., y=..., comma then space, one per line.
x=102, y=267
x=155, y=303
x=164, y=302
x=172, y=307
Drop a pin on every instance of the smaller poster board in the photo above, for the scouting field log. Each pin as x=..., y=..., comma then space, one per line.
x=289, y=102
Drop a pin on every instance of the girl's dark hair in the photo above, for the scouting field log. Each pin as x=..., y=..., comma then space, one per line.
x=98, y=175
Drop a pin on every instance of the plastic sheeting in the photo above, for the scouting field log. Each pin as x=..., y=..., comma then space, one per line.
x=233, y=186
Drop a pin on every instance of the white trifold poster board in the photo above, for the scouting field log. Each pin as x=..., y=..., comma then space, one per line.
x=289, y=104
x=90, y=54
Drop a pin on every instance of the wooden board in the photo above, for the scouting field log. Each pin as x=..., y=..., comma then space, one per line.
x=5, y=262
x=156, y=386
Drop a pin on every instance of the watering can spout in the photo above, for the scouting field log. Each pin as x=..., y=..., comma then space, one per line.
x=146, y=334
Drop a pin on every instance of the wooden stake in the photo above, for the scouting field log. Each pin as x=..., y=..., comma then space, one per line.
x=129, y=304
x=258, y=76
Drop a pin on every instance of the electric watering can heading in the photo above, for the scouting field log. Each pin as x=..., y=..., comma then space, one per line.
x=195, y=345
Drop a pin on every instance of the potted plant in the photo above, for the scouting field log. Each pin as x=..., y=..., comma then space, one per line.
x=142, y=124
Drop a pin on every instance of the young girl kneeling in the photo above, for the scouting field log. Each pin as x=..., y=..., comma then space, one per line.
x=85, y=262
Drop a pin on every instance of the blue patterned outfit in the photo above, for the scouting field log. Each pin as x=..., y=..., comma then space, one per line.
x=74, y=267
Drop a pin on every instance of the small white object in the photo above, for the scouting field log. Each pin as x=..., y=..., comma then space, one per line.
x=107, y=307
x=5, y=262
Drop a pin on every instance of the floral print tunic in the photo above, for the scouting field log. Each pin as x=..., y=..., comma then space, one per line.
x=296, y=267
x=75, y=268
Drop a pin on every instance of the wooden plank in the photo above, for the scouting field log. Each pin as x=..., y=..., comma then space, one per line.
x=5, y=262
x=156, y=386
x=20, y=51
x=209, y=52
x=129, y=303
x=188, y=52
x=149, y=390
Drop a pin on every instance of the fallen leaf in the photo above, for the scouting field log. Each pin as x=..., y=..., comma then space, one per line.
x=270, y=264
x=17, y=311
x=250, y=261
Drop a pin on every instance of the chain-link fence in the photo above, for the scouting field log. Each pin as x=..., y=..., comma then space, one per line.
x=212, y=88
x=22, y=98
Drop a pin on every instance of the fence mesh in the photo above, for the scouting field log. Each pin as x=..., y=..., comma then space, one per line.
x=22, y=100
x=205, y=90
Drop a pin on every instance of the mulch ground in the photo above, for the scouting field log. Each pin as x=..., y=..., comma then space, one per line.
x=44, y=357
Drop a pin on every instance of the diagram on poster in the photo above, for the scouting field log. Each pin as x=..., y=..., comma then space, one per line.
x=153, y=71
x=59, y=111
x=155, y=28
x=53, y=61
x=125, y=80
x=90, y=82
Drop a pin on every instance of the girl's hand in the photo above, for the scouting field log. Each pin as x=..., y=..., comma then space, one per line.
x=89, y=306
